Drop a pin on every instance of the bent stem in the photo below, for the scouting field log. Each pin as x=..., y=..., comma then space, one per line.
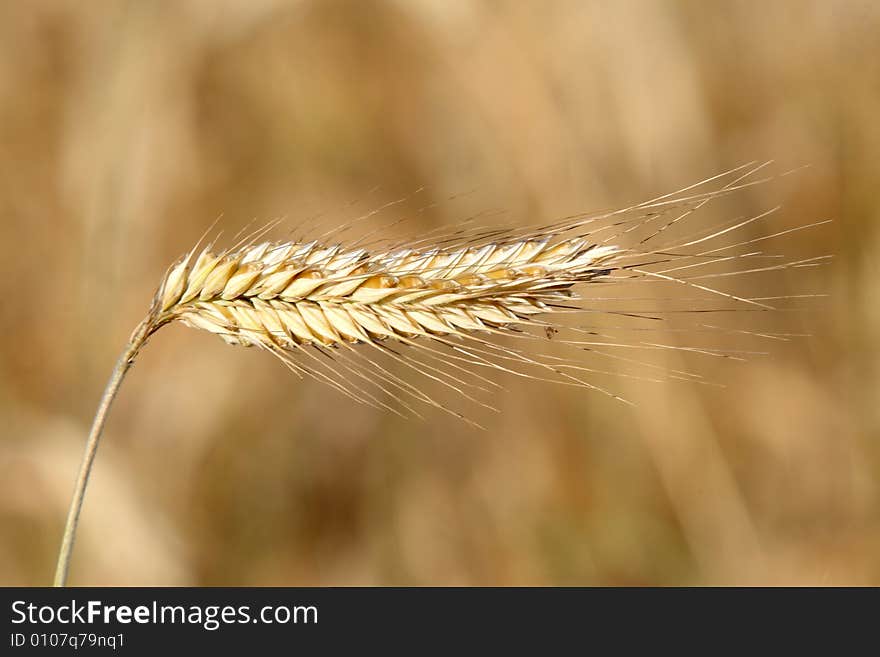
x=85, y=469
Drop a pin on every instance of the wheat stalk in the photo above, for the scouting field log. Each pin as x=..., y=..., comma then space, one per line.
x=437, y=305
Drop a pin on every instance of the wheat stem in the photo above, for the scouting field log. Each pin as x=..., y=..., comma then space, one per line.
x=85, y=469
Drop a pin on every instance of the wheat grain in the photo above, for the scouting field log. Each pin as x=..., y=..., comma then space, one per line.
x=438, y=306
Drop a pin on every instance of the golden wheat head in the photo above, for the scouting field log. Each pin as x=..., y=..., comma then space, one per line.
x=322, y=307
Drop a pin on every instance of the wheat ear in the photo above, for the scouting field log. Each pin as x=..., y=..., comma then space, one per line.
x=322, y=307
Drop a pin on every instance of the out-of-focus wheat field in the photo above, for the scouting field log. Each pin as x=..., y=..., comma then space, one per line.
x=127, y=128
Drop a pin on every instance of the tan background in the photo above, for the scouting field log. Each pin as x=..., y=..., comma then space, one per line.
x=126, y=128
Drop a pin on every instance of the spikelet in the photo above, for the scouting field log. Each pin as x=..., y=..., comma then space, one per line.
x=323, y=307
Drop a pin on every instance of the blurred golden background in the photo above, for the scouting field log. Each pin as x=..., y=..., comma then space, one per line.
x=126, y=128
